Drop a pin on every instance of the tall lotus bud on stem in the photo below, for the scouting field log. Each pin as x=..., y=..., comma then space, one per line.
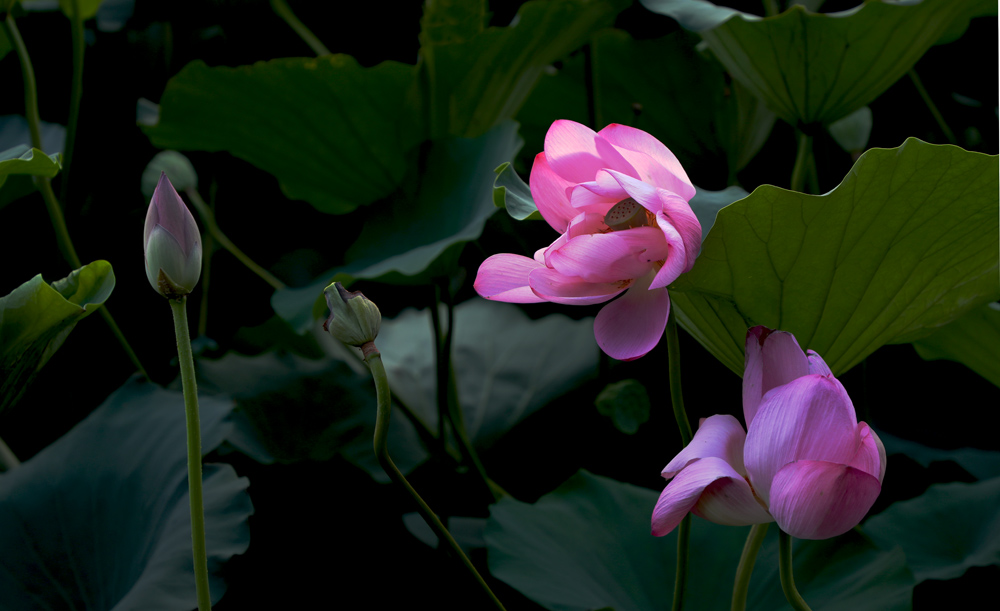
x=171, y=243
x=354, y=319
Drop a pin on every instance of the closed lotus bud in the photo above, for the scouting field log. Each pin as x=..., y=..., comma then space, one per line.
x=171, y=243
x=354, y=319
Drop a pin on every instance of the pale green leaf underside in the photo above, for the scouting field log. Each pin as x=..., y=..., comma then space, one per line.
x=29, y=161
x=973, y=340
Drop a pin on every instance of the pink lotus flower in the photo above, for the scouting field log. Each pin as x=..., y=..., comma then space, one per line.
x=805, y=462
x=171, y=243
x=619, y=199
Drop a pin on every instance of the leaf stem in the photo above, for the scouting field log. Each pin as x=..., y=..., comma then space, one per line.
x=190, y=385
x=950, y=135
x=801, y=162
x=208, y=217
x=75, y=95
x=374, y=360
x=285, y=12
x=680, y=415
x=754, y=540
x=52, y=206
x=8, y=460
x=785, y=570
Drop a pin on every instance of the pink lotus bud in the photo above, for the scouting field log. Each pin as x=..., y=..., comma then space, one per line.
x=171, y=243
x=804, y=462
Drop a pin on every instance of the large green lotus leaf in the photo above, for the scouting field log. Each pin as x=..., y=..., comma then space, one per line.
x=291, y=409
x=973, y=340
x=31, y=161
x=706, y=122
x=333, y=133
x=587, y=545
x=817, y=68
x=946, y=530
x=474, y=77
x=981, y=464
x=100, y=519
x=36, y=318
x=507, y=365
x=412, y=238
x=906, y=243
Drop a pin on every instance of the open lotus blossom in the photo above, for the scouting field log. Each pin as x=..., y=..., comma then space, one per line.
x=805, y=461
x=171, y=243
x=619, y=200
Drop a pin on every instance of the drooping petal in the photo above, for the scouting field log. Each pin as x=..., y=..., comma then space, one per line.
x=549, y=191
x=810, y=418
x=870, y=457
x=571, y=151
x=557, y=288
x=610, y=257
x=673, y=265
x=720, y=436
x=643, y=193
x=504, y=277
x=729, y=499
x=680, y=215
x=654, y=163
x=632, y=325
x=773, y=358
x=812, y=499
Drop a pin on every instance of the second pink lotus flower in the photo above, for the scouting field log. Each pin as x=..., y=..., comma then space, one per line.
x=805, y=461
x=619, y=199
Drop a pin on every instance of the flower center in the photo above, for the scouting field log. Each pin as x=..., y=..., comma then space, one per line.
x=628, y=214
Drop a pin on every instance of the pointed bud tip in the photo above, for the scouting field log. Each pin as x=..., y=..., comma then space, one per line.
x=354, y=319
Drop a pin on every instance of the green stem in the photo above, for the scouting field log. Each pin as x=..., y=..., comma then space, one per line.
x=44, y=186
x=285, y=12
x=190, y=385
x=785, y=570
x=209, y=219
x=771, y=8
x=374, y=360
x=801, y=159
x=745, y=568
x=75, y=94
x=950, y=135
x=8, y=460
x=680, y=415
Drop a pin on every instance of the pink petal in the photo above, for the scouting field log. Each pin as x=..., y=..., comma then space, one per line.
x=610, y=257
x=652, y=160
x=810, y=418
x=549, y=191
x=571, y=151
x=557, y=288
x=773, y=358
x=673, y=265
x=817, y=364
x=632, y=325
x=584, y=199
x=504, y=277
x=680, y=215
x=812, y=499
x=720, y=436
x=714, y=491
x=644, y=193
x=871, y=453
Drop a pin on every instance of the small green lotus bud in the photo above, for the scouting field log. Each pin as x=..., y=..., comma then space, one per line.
x=354, y=319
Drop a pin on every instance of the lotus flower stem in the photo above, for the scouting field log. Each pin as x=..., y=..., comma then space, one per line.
x=374, y=360
x=801, y=162
x=950, y=135
x=677, y=402
x=285, y=12
x=8, y=460
x=190, y=385
x=213, y=228
x=785, y=570
x=745, y=568
x=75, y=94
x=43, y=184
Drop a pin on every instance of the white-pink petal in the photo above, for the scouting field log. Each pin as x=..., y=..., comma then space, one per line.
x=680, y=215
x=552, y=286
x=654, y=161
x=720, y=436
x=632, y=325
x=550, y=192
x=813, y=499
x=673, y=263
x=504, y=277
x=610, y=257
x=571, y=151
x=773, y=358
